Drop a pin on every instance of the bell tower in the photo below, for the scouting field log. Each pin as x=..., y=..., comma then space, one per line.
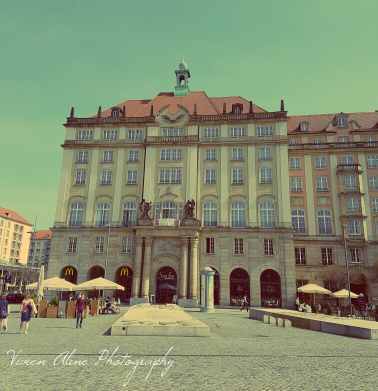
x=182, y=79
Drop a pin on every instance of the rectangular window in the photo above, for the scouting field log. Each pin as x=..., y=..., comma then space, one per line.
x=321, y=162
x=84, y=134
x=264, y=130
x=106, y=177
x=133, y=155
x=72, y=245
x=295, y=163
x=350, y=182
x=374, y=204
x=211, y=154
x=210, y=176
x=132, y=177
x=373, y=182
x=355, y=255
x=268, y=246
x=372, y=161
x=346, y=160
x=100, y=241
x=110, y=134
x=80, y=176
x=300, y=256
x=265, y=175
x=237, y=154
x=324, y=222
x=107, y=156
x=265, y=153
x=135, y=134
x=170, y=154
x=296, y=184
x=210, y=248
x=354, y=227
x=172, y=132
x=322, y=183
x=170, y=176
x=82, y=157
x=236, y=176
x=298, y=220
x=353, y=204
x=127, y=245
x=238, y=247
x=327, y=258
x=211, y=132
x=237, y=132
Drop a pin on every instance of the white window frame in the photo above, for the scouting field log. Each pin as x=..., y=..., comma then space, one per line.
x=265, y=175
x=210, y=177
x=132, y=177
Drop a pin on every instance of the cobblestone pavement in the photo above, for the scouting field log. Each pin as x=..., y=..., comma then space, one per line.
x=241, y=354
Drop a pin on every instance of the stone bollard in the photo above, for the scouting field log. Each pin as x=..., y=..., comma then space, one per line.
x=280, y=322
x=287, y=323
x=266, y=319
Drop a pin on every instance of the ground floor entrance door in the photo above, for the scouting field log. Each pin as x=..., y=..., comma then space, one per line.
x=166, y=285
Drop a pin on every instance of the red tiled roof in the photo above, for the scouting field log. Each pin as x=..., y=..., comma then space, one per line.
x=43, y=234
x=323, y=122
x=14, y=216
x=204, y=104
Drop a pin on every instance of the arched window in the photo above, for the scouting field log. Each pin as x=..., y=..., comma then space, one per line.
x=76, y=213
x=168, y=210
x=103, y=213
x=129, y=216
x=238, y=214
x=267, y=215
x=210, y=213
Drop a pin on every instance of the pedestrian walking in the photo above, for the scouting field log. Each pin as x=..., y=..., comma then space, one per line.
x=28, y=309
x=244, y=304
x=80, y=306
x=3, y=313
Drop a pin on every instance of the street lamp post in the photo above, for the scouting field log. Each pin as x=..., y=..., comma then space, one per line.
x=347, y=268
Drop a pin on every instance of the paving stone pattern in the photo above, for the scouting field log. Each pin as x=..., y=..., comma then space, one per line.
x=241, y=354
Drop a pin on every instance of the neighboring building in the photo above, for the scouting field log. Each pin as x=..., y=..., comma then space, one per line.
x=15, y=233
x=39, y=252
x=271, y=194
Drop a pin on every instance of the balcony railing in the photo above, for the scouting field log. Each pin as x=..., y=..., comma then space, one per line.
x=172, y=139
x=355, y=168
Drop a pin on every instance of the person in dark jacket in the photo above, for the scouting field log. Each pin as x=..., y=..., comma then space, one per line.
x=3, y=313
x=80, y=307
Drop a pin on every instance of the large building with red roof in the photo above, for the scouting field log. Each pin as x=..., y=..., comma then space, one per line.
x=154, y=190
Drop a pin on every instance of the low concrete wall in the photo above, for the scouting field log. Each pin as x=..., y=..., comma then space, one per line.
x=325, y=326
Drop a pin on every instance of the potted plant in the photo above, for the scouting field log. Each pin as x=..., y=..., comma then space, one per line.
x=52, y=308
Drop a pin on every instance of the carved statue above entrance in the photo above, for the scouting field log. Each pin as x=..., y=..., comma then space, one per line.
x=188, y=217
x=144, y=209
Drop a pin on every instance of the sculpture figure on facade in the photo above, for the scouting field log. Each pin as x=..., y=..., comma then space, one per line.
x=189, y=209
x=144, y=209
x=188, y=214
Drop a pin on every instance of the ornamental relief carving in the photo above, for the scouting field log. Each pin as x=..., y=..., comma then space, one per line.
x=167, y=247
x=179, y=118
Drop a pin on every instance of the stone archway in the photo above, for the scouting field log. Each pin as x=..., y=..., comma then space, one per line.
x=239, y=286
x=95, y=272
x=270, y=285
x=166, y=285
x=124, y=277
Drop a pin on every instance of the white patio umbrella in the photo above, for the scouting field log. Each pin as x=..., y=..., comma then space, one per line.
x=344, y=294
x=314, y=289
x=99, y=283
x=53, y=284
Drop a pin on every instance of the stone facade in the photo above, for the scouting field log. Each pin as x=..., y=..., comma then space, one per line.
x=269, y=193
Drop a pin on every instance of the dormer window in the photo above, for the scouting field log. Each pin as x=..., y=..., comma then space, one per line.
x=304, y=126
x=237, y=108
x=341, y=120
x=115, y=112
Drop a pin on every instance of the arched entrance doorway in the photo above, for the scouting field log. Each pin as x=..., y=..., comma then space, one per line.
x=166, y=285
x=69, y=273
x=239, y=286
x=95, y=272
x=270, y=284
x=124, y=277
x=216, y=287
x=358, y=285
